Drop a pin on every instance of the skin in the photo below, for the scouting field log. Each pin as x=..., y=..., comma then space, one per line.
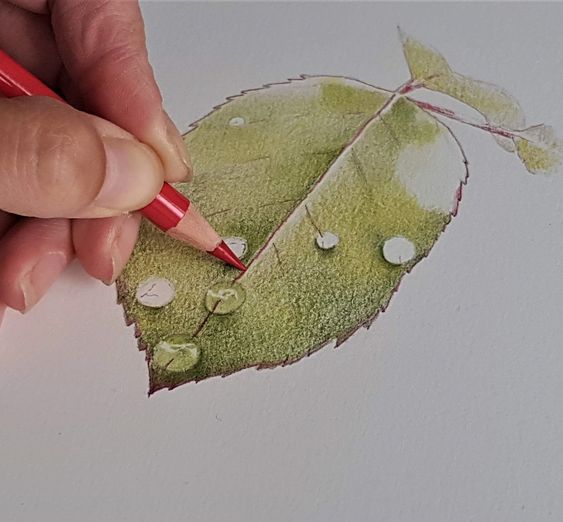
x=70, y=181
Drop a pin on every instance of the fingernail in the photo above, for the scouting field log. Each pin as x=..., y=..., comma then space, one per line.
x=125, y=237
x=134, y=175
x=40, y=278
x=180, y=168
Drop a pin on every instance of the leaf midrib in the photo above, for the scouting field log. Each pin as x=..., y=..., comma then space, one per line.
x=395, y=96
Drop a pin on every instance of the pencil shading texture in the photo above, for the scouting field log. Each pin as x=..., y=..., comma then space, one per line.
x=282, y=164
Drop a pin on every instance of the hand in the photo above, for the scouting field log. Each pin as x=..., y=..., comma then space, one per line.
x=60, y=167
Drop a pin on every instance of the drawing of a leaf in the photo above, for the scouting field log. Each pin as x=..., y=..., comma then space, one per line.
x=316, y=154
x=540, y=150
x=430, y=69
x=537, y=146
x=282, y=165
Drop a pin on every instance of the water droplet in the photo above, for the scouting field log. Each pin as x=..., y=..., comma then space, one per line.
x=155, y=292
x=398, y=250
x=327, y=240
x=224, y=297
x=238, y=245
x=175, y=353
x=238, y=121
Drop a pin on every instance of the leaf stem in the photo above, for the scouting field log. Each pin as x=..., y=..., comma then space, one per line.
x=487, y=127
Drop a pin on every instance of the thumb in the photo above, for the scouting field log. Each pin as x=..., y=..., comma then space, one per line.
x=58, y=162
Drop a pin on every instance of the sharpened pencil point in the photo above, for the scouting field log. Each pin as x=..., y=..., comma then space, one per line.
x=224, y=253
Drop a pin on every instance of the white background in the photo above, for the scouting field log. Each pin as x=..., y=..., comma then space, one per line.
x=448, y=409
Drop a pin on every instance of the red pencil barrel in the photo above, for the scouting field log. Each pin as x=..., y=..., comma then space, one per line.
x=166, y=210
x=16, y=81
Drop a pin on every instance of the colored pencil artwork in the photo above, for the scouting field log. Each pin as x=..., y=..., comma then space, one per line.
x=331, y=190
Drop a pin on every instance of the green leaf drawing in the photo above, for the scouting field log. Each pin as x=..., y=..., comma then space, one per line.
x=337, y=189
x=429, y=69
x=539, y=149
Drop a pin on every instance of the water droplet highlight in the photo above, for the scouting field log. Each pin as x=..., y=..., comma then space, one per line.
x=155, y=292
x=175, y=353
x=224, y=297
x=327, y=240
x=238, y=121
x=398, y=250
x=238, y=245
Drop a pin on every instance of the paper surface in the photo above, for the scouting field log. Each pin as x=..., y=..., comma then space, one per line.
x=447, y=409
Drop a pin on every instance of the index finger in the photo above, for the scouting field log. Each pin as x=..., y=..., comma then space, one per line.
x=102, y=46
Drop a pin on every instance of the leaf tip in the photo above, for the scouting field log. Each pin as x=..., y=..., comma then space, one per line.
x=402, y=35
x=540, y=150
x=425, y=64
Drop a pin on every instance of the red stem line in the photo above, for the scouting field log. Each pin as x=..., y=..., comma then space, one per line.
x=453, y=116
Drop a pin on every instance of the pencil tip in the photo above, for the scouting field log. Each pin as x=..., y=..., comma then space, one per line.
x=224, y=253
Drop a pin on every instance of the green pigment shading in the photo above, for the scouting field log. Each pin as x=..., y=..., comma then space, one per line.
x=298, y=297
x=429, y=67
x=535, y=158
x=541, y=157
x=315, y=154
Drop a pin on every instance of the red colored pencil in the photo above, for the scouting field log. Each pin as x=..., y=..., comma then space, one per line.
x=170, y=211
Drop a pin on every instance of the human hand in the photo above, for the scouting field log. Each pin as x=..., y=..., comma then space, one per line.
x=59, y=167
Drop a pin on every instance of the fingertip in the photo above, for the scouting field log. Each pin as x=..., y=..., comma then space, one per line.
x=32, y=255
x=103, y=246
x=169, y=145
x=123, y=245
x=40, y=278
